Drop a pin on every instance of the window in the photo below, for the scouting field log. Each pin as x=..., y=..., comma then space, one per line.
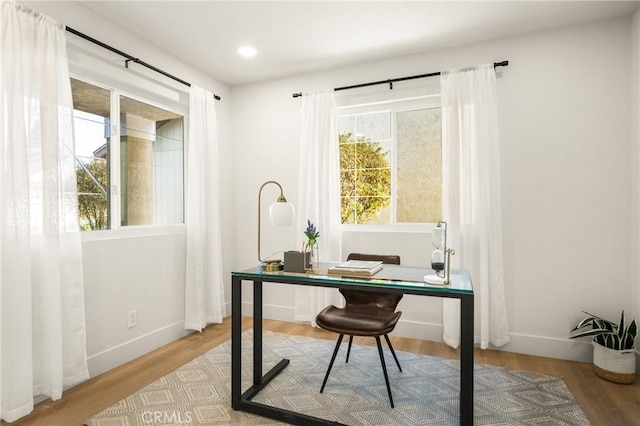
x=92, y=111
x=391, y=163
x=144, y=186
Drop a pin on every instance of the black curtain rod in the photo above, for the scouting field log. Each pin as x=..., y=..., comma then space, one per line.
x=393, y=80
x=130, y=58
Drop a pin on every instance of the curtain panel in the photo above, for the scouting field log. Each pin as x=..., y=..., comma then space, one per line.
x=42, y=318
x=318, y=196
x=204, y=291
x=472, y=205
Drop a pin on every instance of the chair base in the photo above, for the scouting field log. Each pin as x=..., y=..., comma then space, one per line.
x=382, y=362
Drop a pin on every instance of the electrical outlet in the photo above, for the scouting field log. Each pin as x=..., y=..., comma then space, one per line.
x=131, y=318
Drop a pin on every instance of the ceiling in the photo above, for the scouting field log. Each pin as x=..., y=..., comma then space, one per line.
x=305, y=36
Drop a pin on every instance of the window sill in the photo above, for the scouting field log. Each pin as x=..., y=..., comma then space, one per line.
x=133, y=232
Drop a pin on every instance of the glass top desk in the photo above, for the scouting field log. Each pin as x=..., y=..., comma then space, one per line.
x=392, y=279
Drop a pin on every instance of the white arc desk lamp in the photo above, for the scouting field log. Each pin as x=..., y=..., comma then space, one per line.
x=441, y=256
x=281, y=214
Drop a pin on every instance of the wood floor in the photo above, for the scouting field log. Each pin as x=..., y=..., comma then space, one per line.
x=603, y=402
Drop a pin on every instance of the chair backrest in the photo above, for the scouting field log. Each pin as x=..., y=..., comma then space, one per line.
x=374, y=299
x=384, y=258
x=377, y=299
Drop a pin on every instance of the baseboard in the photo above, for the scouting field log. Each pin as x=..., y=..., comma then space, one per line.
x=550, y=347
x=132, y=349
x=405, y=328
x=418, y=330
x=276, y=312
x=520, y=343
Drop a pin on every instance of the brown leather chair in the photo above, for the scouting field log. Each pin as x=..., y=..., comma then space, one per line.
x=366, y=313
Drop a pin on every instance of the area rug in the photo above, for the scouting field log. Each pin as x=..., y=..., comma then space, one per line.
x=426, y=392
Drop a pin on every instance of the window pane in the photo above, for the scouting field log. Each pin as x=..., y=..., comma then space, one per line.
x=151, y=164
x=374, y=126
x=419, y=166
x=92, y=108
x=346, y=125
x=366, y=171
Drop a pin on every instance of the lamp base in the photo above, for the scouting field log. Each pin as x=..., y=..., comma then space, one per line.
x=271, y=266
x=434, y=280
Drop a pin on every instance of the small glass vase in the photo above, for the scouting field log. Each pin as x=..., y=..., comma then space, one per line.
x=313, y=261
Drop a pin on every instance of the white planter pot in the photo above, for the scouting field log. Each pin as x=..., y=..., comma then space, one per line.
x=615, y=366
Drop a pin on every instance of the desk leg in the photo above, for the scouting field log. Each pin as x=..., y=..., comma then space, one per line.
x=236, y=342
x=257, y=333
x=466, y=360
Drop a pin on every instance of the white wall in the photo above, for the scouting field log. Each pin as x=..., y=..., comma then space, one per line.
x=635, y=170
x=566, y=141
x=125, y=271
x=566, y=178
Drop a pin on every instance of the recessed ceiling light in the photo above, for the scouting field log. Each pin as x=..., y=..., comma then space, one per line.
x=247, y=51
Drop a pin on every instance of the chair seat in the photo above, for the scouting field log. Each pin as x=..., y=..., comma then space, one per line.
x=358, y=320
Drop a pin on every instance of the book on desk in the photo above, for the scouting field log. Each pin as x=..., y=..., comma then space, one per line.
x=358, y=268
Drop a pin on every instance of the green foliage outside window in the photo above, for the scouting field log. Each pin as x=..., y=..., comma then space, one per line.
x=92, y=200
x=365, y=178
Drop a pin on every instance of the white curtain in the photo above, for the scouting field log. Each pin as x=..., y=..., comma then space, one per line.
x=42, y=338
x=318, y=196
x=204, y=293
x=472, y=208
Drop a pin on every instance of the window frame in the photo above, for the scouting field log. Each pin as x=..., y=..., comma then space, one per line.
x=117, y=231
x=393, y=106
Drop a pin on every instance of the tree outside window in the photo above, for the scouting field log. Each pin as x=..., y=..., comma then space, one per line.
x=365, y=177
x=391, y=165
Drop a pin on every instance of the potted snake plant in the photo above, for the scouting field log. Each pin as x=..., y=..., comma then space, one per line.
x=613, y=346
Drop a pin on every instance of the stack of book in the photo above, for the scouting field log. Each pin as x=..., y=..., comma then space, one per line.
x=358, y=268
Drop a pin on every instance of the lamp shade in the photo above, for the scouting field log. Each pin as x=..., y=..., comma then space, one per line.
x=281, y=213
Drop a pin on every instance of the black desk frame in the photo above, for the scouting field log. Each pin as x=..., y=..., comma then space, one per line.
x=243, y=401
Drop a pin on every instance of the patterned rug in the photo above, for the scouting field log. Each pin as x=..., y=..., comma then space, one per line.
x=425, y=393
